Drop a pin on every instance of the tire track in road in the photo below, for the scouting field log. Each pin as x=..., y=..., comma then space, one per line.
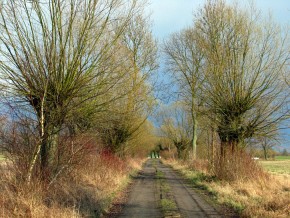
x=189, y=203
x=143, y=199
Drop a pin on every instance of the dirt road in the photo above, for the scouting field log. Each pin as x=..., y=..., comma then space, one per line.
x=144, y=197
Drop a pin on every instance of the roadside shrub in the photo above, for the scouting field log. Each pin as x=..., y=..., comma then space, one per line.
x=85, y=190
x=237, y=166
x=201, y=165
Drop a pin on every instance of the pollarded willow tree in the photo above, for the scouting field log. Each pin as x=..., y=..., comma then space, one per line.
x=176, y=125
x=245, y=58
x=53, y=56
x=231, y=63
x=129, y=113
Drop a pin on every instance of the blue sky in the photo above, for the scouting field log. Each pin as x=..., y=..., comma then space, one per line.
x=172, y=15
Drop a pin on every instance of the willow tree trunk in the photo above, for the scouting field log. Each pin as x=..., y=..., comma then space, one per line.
x=48, y=153
x=194, y=135
x=265, y=153
x=39, y=145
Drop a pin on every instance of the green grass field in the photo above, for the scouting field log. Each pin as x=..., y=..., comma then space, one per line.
x=282, y=157
x=281, y=165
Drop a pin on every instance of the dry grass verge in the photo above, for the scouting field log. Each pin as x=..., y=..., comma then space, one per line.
x=86, y=191
x=260, y=197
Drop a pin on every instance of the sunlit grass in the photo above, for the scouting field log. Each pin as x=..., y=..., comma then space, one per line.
x=168, y=204
x=277, y=166
x=282, y=157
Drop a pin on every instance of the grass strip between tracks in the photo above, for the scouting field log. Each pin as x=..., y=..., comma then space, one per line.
x=166, y=201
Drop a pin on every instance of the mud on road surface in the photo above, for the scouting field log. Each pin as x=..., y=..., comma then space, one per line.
x=144, y=197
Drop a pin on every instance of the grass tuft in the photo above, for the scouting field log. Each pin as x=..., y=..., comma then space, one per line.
x=168, y=204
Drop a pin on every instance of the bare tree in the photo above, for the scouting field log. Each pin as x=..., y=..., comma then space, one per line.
x=184, y=60
x=129, y=113
x=267, y=144
x=176, y=125
x=244, y=59
x=52, y=55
